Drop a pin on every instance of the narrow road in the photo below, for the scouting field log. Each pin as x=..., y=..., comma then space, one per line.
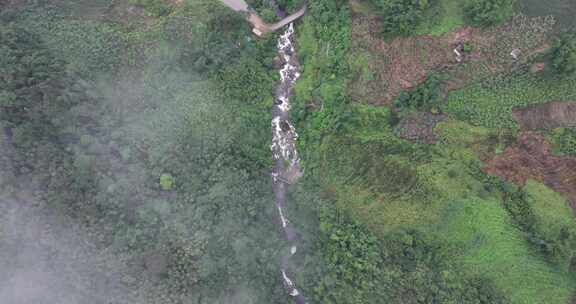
x=259, y=26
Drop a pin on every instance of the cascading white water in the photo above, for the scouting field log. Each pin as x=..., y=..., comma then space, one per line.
x=284, y=136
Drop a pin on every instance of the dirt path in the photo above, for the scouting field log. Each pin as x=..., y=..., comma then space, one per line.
x=237, y=5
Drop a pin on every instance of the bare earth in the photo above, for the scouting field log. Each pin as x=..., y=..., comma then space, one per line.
x=237, y=5
x=550, y=115
x=405, y=62
x=531, y=158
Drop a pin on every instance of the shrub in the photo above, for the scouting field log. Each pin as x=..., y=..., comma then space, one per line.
x=564, y=141
x=166, y=181
x=248, y=80
x=401, y=16
x=489, y=12
x=424, y=97
x=564, y=54
x=468, y=47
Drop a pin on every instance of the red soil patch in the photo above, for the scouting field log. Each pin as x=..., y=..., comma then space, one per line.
x=405, y=62
x=531, y=158
x=537, y=67
x=550, y=115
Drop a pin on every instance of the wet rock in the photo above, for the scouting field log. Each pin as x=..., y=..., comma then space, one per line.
x=277, y=62
x=284, y=126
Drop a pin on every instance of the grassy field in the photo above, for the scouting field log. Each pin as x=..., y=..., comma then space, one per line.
x=550, y=208
x=489, y=245
x=443, y=17
x=444, y=196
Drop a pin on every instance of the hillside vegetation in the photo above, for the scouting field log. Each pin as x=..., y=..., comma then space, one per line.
x=409, y=222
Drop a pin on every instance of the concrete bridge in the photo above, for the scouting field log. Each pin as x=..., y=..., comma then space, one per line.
x=260, y=27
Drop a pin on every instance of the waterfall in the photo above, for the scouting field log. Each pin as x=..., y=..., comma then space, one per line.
x=286, y=160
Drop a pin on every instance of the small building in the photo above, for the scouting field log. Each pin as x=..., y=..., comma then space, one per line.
x=516, y=54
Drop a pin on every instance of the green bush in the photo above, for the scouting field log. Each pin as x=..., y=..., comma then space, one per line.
x=564, y=54
x=248, y=80
x=489, y=12
x=468, y=47
x=424, y=97
x=401, y=16
x=166, y=181
x=32, y=83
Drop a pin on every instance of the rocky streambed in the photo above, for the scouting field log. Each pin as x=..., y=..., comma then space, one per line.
x=286, y=169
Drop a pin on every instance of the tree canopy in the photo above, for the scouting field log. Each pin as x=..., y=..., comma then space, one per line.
x=564, y=54
x=489, y=12
x=401, y=16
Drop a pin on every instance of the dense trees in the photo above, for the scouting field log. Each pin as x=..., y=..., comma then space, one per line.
x=164, y=162
x=408, y=266
x=32, y=82
x=401, y=16
x=564, y=54
x=488, y=12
